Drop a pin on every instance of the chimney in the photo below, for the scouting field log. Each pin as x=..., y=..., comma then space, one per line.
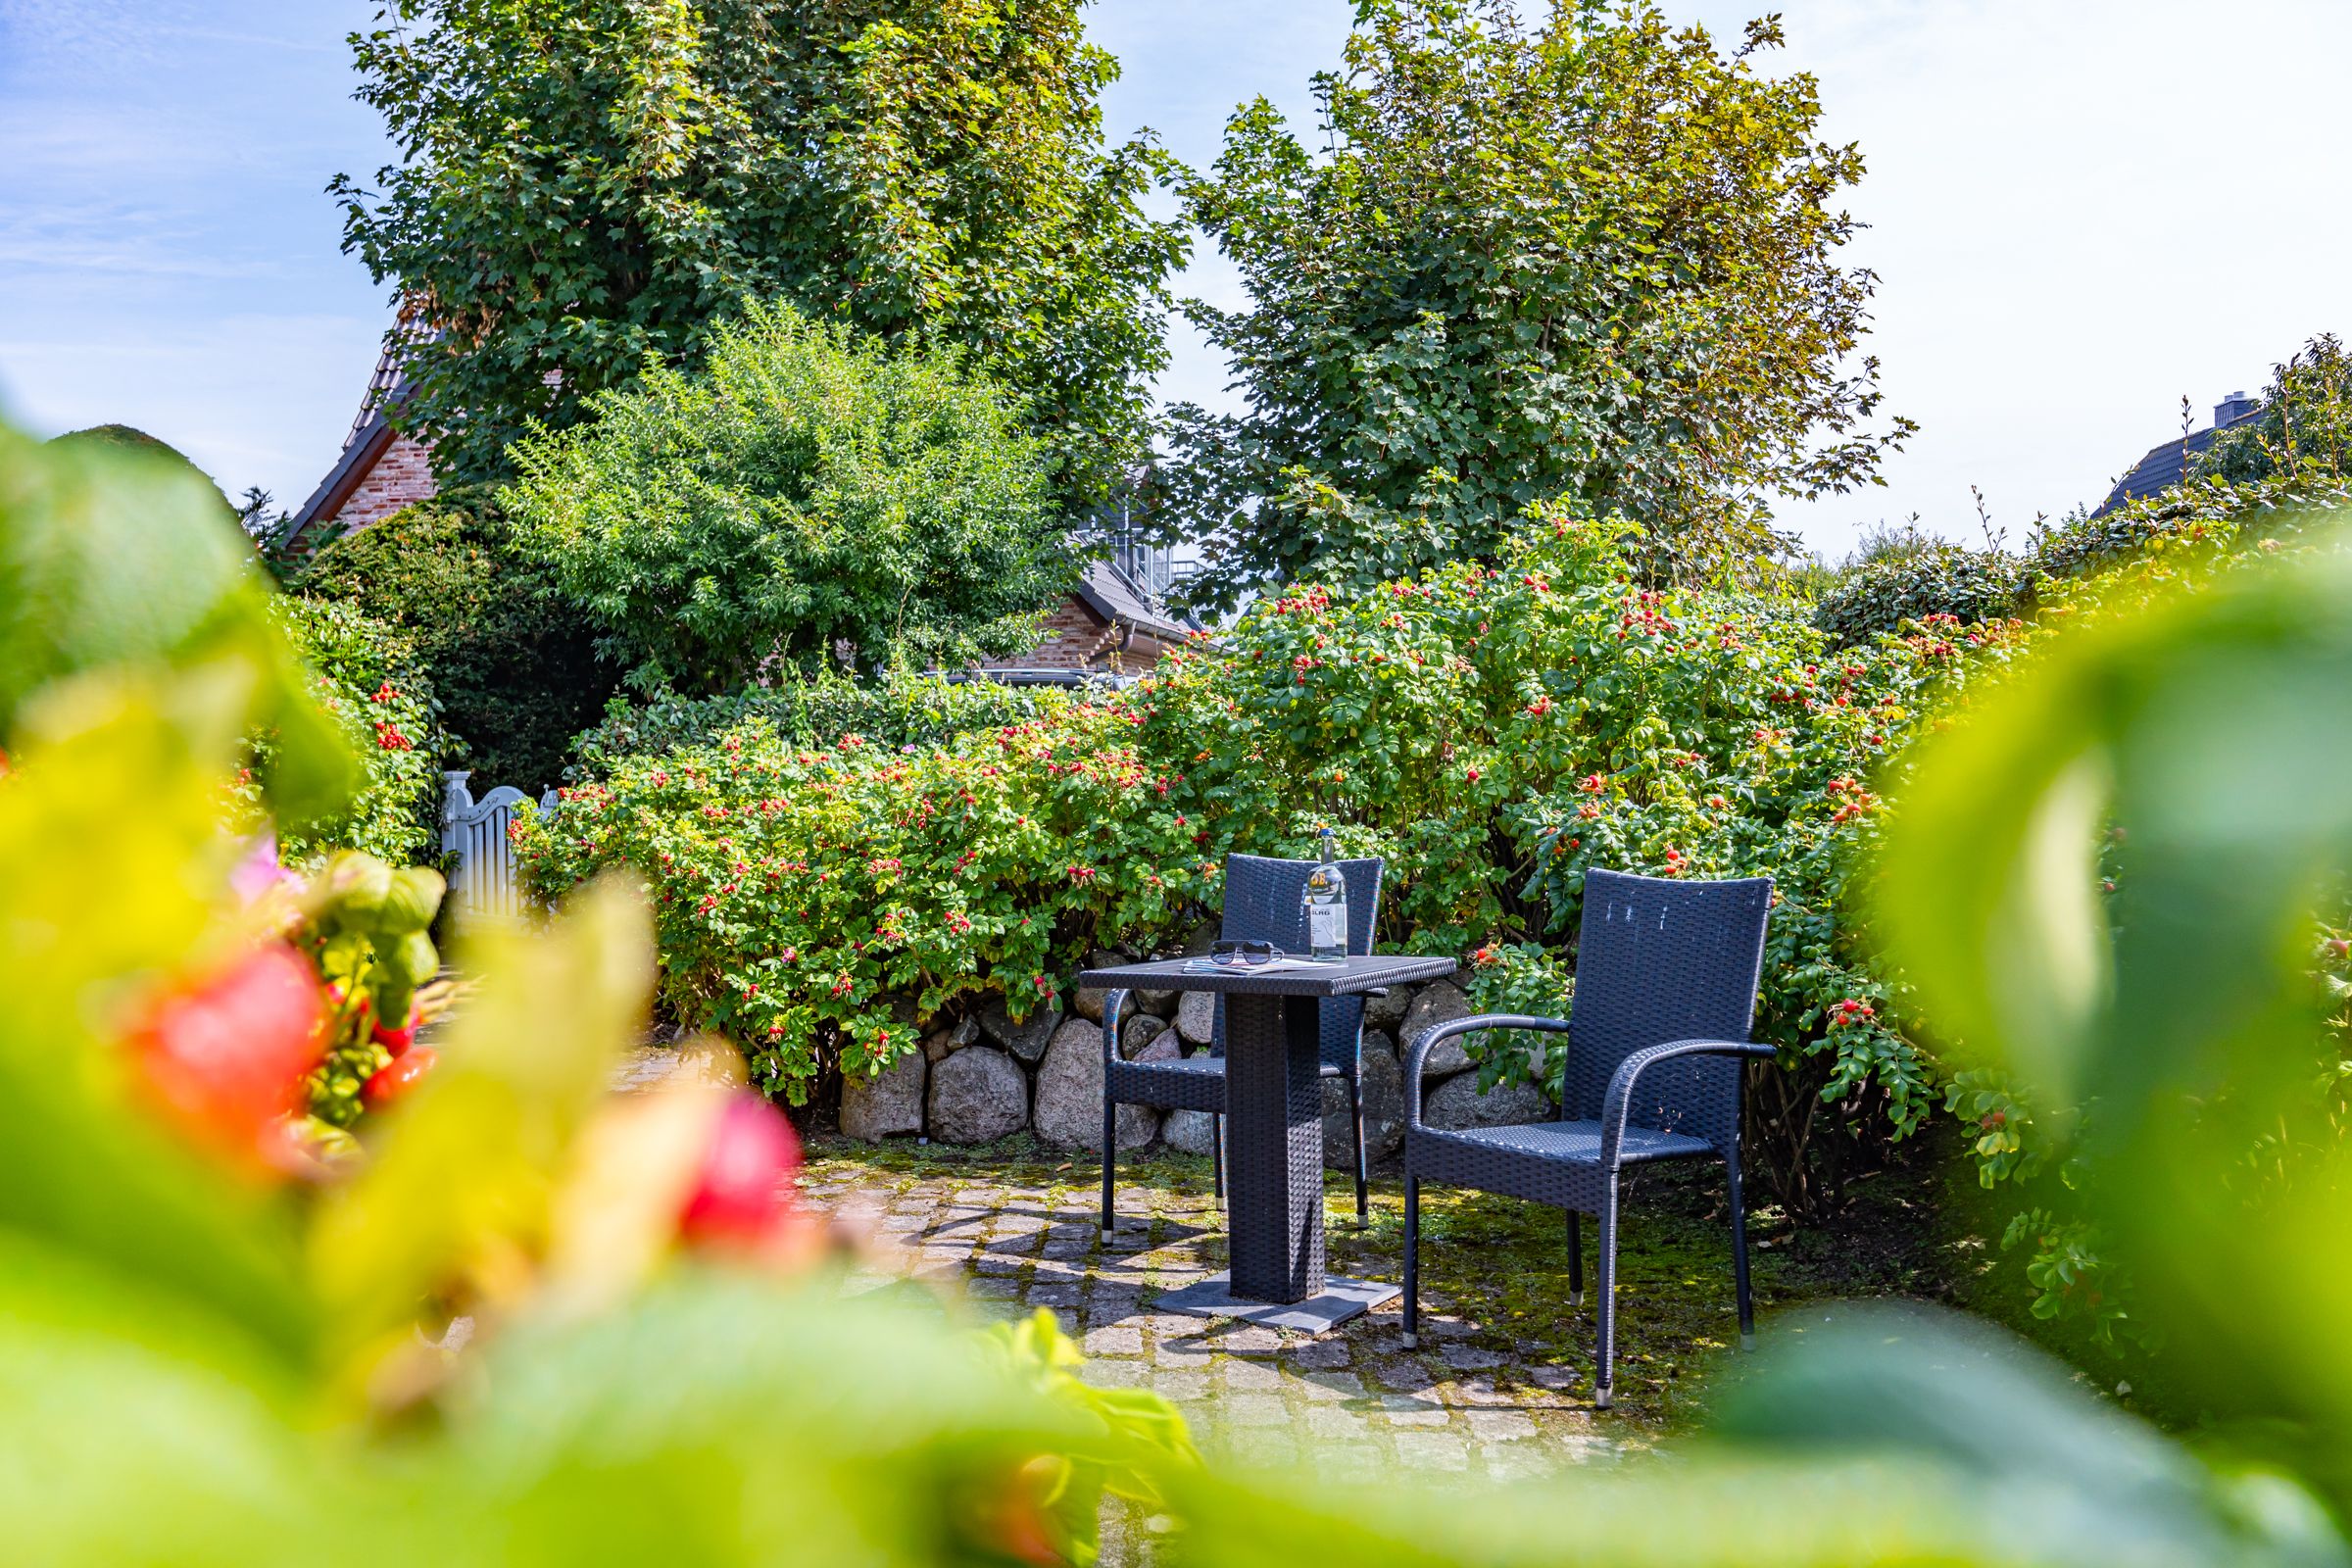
x=2233, y=408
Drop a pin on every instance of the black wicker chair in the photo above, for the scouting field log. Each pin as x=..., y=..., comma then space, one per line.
x=1261, y=904
x=1666, y=975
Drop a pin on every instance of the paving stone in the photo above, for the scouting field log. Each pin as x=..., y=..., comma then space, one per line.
x=1180, y=1385
x=1468, y=1358
x=1331, y=1386
x=1317, y=1354
x=1252, y=1375
x=1109, y=1373
x=1265, y=1447
x=1500, y=1424
x=1433, y=1451
x=1255, y=1410
x=1121, y=1340
x=1330, y=1421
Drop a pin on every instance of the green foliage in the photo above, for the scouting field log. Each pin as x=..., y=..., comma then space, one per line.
x=583, y=185
x=2206, y=719
x=2304, y=429
x=1490, y=732
x=1584, y=256
x=811, y=489
x=1937, y=580
x=365, y=678
x=512, y=660
x=246, y=1366
x=816, y=712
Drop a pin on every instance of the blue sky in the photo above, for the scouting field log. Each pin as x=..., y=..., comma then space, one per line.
x=2082, y=210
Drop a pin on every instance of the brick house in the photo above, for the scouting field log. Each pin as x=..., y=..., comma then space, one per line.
x=1116, y=620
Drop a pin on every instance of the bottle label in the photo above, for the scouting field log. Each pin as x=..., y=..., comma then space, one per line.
x=1327, y=926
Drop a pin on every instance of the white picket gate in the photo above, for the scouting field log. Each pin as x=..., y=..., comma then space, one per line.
x=476, y=832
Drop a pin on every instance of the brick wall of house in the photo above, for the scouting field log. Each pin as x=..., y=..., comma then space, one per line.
x=1076, y=638
x=401, y=477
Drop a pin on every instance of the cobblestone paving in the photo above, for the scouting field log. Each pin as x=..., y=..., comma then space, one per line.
x=1348, y=1404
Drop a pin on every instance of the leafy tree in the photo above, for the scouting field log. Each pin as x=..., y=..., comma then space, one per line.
x=585, y=183
x=2304, y=428
x=1586, y=257
x=812, y=490
x=512, y=659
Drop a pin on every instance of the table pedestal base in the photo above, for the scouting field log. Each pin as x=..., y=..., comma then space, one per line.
x=1339, y=1301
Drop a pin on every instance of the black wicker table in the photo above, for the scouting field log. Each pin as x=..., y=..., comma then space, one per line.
x=1274, y=1143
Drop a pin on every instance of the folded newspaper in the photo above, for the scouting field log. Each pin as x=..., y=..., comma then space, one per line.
x=1275, y=966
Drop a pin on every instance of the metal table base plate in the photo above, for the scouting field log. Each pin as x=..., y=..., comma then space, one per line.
x=1339, y=1301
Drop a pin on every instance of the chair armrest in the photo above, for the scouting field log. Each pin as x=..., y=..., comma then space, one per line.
x=1618, y=1101
x=1446, y=1031
x=1113, y=1003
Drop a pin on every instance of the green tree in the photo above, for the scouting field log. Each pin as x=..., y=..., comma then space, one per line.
x=1588, y=258
x=811, y=489
x=585, y=183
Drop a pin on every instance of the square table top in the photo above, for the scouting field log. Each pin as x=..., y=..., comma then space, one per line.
x=1323, y=980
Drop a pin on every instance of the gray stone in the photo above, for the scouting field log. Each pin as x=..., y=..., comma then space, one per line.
x=966, y=1033
x=1457, y=1103
x=1088, y=1004
x=937, y=1047
x=1202, y=938
x=1197, y=1016
x=1137, y=1031
x=1026, y=1038
x=1187, y=1131
x=1440, y=1002
x=875, y=1108
x=1069, y=1094
x=1387, y=1010
x=977, y=1096
x=1161, y=1004
x=1166, y=1046
x=1384, y=1107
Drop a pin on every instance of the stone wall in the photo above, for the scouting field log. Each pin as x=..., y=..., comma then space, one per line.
x=401, y=477
x=984, y=1076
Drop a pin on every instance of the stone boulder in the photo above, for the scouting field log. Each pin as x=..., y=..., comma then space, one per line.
x=1026, y=1038
x=1440, y=1002
x=1159, y=1004
x=978, y=1095
x=1456, y=1104
x=1187, y=1131
x=1384, y=1107
x=1166, y=1046
x=892, y=1104
x=1069, y=1094
x=1088, y=1004
x=1138, y=1030
x=1387, y=1010
x=1197, y=1016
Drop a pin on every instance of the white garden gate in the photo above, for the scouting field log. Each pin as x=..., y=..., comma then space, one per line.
x=482, y=882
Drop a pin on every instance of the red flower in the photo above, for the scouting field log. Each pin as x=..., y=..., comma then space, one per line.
x=406, y=1071
x=226, y=1059
x=744, y=1190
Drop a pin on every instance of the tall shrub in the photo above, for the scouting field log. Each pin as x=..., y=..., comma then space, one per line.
x=512, y=660
x=810, y=491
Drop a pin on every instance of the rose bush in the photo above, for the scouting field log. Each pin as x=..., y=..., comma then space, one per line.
x=1492, y=731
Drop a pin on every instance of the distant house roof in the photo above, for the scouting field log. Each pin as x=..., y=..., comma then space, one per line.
x=2166, y=466
x=1115, y=596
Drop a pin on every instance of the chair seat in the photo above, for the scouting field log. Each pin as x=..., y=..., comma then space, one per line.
x=1179, y=1083
x=1547, y=1161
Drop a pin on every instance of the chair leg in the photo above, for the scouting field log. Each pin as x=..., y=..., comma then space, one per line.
x=1608, y=1359
x=1110, y=1149
x=1216, y=1155
x=1412, y=1262
x=1739, y=1287
x=1576, y=1258
x=1355, y=1112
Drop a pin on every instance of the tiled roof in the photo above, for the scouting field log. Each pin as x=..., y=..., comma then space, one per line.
x=1110, y=592
x=2166, y=466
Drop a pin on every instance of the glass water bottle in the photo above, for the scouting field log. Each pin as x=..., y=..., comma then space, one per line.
x=1325, y=898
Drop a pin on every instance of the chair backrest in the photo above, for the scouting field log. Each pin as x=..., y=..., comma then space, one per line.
x=1660, y=960
x=1262, y=905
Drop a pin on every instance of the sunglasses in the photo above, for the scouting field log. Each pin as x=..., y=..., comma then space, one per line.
x=1243, y=954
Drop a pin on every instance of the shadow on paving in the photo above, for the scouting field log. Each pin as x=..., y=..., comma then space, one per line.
x=1502, y=1382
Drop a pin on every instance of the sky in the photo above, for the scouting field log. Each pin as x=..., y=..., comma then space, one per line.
x=2079, y=211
